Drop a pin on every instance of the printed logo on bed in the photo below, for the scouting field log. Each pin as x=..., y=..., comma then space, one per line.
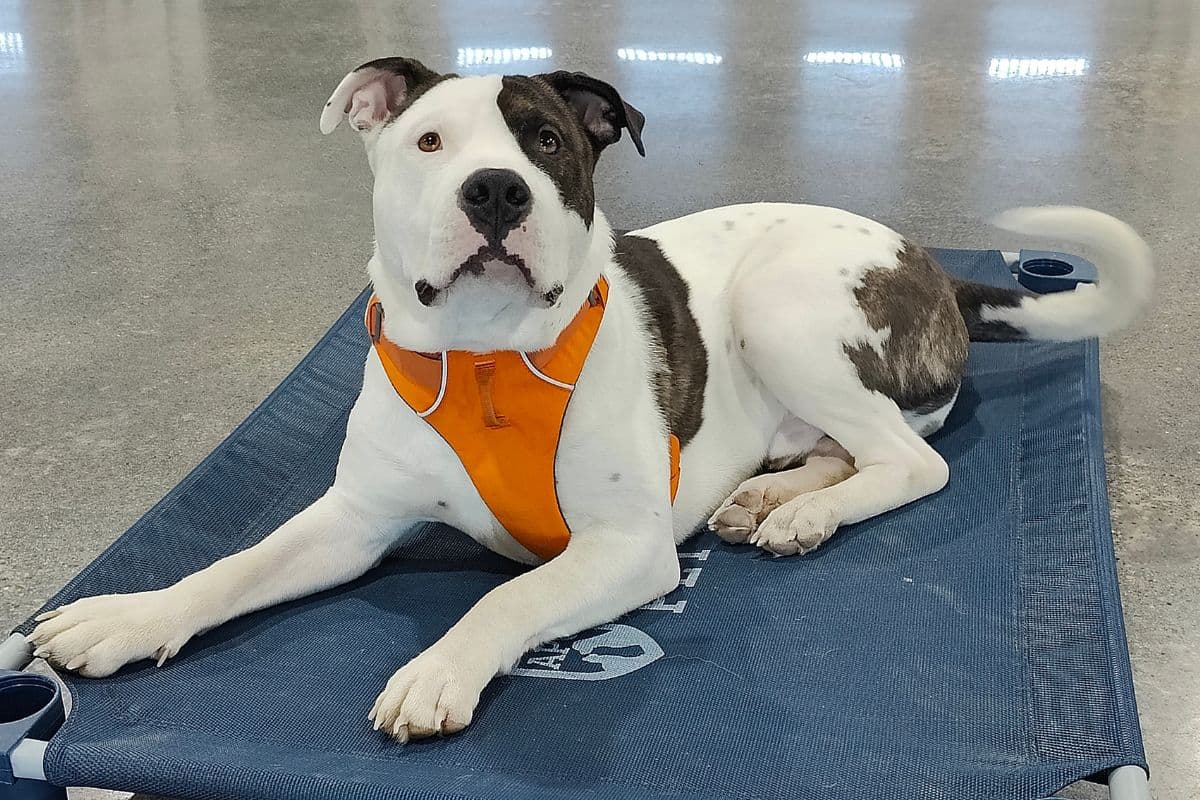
x=603, y=653
x=596, y=655
x=610, y=651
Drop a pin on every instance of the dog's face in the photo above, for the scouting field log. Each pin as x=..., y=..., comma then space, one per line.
x=483, y=197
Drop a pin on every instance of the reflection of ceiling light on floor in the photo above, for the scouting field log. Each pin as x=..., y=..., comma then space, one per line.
x=475, y=56
x=862, y=58
x=12, y=52
x=685, y=57
x=11, y=44
x=1036, y=67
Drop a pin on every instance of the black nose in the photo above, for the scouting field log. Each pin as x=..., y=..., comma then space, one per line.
x=495, y=200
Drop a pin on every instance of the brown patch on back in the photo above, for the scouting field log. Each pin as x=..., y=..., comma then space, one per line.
x=680, y=371
x=926, y=352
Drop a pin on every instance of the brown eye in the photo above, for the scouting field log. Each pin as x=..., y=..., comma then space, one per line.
x=548, y=141
x=429, y=142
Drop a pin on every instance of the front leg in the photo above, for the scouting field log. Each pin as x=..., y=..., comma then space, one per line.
x=602, y=574
x=330, y=542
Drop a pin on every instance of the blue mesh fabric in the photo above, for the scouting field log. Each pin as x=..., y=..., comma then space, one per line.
x=970, y=645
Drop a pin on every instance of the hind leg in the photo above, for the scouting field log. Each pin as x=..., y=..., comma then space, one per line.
x=842, y=330
x=808, y=371
x=893, y=466
x=738, y=518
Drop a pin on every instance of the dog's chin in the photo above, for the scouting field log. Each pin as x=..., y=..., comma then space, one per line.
x=481, y=297
x=484, y=313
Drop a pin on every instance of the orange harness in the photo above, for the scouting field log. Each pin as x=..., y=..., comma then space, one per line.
x=502, y=413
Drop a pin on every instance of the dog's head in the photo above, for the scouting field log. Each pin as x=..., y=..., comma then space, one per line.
x=485, y=221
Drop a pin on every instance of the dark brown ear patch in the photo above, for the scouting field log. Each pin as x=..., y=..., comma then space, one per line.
x=600, y=108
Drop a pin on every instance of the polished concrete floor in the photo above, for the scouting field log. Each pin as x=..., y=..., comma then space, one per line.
x=176, y=233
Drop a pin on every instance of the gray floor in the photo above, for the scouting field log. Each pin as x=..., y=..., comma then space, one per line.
x=177, y=233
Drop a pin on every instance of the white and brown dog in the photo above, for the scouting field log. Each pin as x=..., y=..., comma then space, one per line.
x=799, y=354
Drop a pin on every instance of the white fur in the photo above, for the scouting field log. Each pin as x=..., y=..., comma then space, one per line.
x=772, y=288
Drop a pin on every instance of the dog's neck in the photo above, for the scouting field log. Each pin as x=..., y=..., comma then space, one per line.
x=412, y=326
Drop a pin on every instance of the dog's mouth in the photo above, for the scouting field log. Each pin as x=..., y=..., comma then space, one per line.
x=476, y=263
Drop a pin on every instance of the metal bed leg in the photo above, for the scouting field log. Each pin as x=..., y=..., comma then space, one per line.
x=1129, y=783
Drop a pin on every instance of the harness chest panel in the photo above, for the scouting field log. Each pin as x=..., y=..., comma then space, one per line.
x=502, y=413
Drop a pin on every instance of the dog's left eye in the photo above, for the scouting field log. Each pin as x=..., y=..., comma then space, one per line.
x=429, y=142
x=548, y=141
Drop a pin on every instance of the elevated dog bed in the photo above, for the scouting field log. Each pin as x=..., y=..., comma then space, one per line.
x=969, y=645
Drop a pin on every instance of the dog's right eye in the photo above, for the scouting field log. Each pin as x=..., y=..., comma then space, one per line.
x=430, y=142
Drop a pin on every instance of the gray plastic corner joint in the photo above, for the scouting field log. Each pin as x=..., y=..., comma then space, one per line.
x=31, y=710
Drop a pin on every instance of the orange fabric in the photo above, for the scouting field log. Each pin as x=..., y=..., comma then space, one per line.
x=502, y=413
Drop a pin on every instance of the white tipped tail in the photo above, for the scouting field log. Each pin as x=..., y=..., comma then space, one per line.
x=1121, y=294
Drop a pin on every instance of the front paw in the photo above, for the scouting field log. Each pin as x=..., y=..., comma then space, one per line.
x=96, y=636
x=433, y=695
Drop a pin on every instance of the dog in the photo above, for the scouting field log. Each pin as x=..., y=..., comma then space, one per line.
x=783, y=363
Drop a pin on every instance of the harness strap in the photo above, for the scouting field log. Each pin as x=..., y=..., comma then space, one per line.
x=502, y=413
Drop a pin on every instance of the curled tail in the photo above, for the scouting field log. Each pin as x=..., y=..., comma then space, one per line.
x=1126, y=280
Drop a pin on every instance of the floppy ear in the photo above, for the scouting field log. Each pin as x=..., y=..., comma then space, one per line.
x=375, y=92
x=600, y=108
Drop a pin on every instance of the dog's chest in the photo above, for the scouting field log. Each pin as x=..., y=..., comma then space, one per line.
x=612, y=452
